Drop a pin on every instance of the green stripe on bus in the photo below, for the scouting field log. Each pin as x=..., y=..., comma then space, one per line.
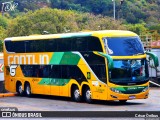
x=56, y=58
x=54, y=81
x=59, y=82
x=70, y=59
x=65, y=58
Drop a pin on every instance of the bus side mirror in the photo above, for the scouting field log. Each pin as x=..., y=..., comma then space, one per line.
x=110, y=62
x=109, y=59
x=154, y=57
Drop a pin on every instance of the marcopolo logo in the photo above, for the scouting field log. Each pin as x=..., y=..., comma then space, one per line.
x=9, y=6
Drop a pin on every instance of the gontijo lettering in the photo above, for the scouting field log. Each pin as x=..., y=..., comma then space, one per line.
x=28, y=59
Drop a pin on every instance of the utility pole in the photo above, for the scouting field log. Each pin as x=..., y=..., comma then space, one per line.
x=114, y=10
x=120, y=8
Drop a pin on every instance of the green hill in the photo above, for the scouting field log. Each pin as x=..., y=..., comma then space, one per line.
x=130, y=11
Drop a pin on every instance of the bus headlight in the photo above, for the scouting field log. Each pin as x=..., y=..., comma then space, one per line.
x=115, y=90
x=145, y=89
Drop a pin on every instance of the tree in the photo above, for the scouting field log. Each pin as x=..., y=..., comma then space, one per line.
x=3, y=22
x=3, y=27
x=137, y=28
x=59, y=21
x=2, y=36
x=155, y=27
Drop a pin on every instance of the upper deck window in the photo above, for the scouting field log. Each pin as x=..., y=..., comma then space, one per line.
x=88, y=43
x=123, y=46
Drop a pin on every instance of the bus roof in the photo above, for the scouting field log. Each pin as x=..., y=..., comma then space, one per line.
x=102, y=33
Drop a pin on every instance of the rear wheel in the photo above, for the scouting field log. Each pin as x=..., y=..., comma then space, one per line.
x=76, y=94
x=19, y=89
x=28, y=90
x=87, y=95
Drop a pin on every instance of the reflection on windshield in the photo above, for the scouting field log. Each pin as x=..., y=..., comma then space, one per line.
x=129, y=71
x=108, y=50
x=123, y=46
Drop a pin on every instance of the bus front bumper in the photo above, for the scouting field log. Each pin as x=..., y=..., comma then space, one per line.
x=121, y=96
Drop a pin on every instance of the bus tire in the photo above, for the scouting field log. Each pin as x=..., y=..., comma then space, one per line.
x=122, y=101
x=28, y=90
x=19, y=89
x=87, y=95
x=76, y=94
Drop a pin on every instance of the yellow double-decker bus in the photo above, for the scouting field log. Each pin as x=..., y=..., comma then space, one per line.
x=102, y=65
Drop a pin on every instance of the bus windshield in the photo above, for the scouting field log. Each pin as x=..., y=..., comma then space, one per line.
x=123, y=46
x=127, y=72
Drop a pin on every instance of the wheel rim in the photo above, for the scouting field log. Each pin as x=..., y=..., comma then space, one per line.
x=20, y=89
x=28, y=90
x=88, y=94
x=76, y=94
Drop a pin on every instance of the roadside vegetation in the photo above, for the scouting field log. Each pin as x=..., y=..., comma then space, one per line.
x=61, y=16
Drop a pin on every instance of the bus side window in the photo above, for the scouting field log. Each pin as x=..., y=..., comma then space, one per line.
x=76, y=73
x=79, y=44
x=46, y=70
x=94, y=44
x=73, y=72
x=10, y=46
x=50, y=45
x=64, y=44
x=65, y=71
x=29, y=46
x=55, y=71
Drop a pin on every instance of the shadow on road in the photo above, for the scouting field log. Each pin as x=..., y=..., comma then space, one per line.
x=96, y=102
x=117, y=103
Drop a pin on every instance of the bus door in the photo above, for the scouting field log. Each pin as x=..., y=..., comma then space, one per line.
x=99, y=82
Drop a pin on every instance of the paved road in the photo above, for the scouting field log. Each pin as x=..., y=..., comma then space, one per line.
x=50, y=103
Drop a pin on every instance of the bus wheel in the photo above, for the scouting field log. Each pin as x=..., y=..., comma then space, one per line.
x=87, y=95
x=122, y=101
x=28, y=90
x=19, y=89
x=76, y=94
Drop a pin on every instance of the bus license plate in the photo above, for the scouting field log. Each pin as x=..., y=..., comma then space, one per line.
x=132, y=97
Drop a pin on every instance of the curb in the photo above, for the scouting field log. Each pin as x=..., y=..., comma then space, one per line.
x=7, y=94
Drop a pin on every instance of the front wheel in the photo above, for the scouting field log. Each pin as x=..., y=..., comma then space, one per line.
x=87, y=95
x=28, y=90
